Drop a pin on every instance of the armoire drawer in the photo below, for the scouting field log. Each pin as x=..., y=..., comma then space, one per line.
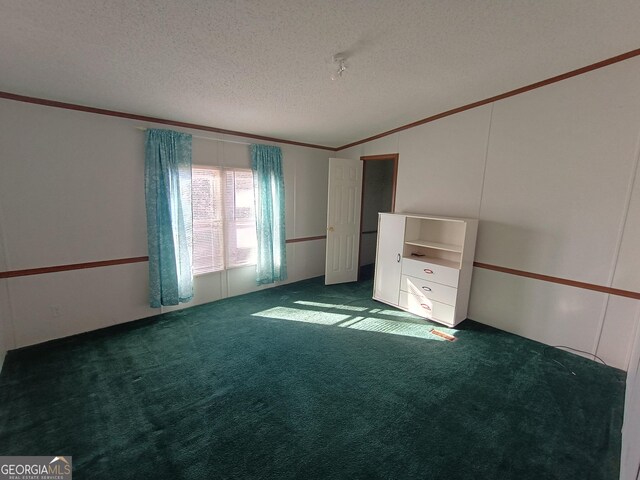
x=430, y=271
x=427, y=308
x=432, y=290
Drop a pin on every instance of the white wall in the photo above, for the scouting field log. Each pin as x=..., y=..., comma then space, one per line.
x=4, y=331
x=3, y=324
x=550, y=174
x=630, y=453
x=6, y=334
x=72, y=191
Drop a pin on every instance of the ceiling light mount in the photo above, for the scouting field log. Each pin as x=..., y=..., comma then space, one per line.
x=339, y=66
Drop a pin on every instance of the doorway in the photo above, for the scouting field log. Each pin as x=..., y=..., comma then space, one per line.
x=379, y=177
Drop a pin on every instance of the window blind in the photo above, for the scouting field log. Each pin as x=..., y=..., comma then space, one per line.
x=240, y=218
x=208, y=235
x=224, y=225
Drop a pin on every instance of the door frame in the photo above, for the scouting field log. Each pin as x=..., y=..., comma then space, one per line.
x=369, y=158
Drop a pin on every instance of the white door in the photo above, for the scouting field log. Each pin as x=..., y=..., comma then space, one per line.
x=389, y=258
x=343, y=220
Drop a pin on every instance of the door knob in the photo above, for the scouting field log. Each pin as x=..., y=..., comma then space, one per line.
x=330, y=229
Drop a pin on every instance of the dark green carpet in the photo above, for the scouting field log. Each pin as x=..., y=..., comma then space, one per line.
x=216, y=392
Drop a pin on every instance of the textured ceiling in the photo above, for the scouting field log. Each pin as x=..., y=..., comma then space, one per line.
x=261, y=66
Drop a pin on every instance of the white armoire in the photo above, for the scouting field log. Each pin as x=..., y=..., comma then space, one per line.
x=424, y=264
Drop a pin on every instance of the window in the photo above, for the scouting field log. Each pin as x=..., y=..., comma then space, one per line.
x=224, y=225
x=208, y=235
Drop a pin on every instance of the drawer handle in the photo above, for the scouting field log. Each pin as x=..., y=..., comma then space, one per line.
x=425, y=306
x=428, y=271
x=426, y=289
x=398, y=260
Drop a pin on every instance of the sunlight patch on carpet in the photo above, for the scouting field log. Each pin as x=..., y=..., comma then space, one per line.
x=298, y=315
x=405, y=324
x=394, y=327
x=394, y=313
x=331, y=305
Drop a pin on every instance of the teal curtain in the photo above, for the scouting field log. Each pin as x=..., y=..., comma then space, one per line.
x=268, y=182
x=169, y=222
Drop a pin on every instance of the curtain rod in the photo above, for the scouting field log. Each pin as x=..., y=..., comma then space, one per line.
x=144, y=129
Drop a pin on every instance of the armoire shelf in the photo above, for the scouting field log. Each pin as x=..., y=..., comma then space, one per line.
x=435, y=245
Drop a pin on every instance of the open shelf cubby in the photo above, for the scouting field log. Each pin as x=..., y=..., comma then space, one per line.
x=434, y=240
x=439, y=257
